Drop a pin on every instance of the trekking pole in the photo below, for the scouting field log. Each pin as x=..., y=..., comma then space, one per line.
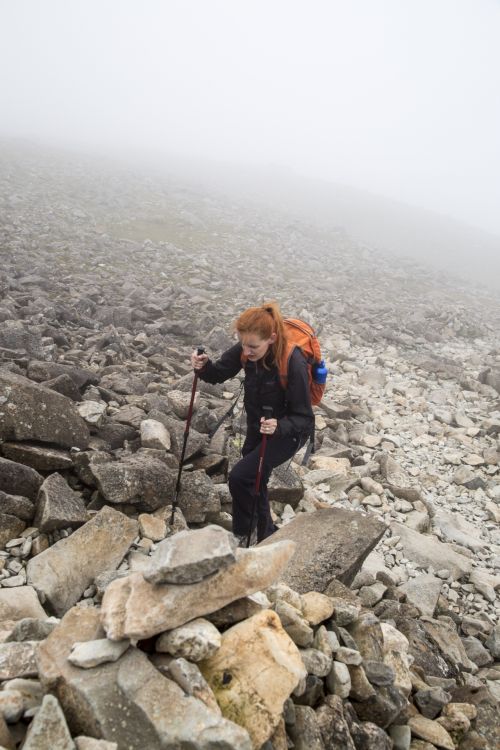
x=199, y=350
x=268, y=413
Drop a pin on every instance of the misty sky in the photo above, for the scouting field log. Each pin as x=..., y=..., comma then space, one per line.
x=399, y=97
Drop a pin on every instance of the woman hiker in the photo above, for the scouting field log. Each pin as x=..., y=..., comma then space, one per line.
x=260, y=349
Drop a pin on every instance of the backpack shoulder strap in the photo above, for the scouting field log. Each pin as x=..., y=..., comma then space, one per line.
x=285, y=361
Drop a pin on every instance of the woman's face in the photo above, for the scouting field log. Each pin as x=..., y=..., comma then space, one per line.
x=254, y=348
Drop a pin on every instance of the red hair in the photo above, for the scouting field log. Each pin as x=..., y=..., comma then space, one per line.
x=263, y=321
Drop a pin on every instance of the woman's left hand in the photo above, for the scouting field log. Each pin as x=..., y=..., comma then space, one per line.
x=268, y=426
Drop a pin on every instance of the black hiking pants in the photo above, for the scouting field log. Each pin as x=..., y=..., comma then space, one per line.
x=242, y=482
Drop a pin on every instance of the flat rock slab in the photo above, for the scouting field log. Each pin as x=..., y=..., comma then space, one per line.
x=65, y=570
x=331, y=543
x=190, y=556
x=133, y=608
x=38, y=457
x=427, y=551
x=32, y=412
x=456, y=529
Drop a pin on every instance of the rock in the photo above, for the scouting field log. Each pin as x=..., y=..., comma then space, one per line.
x=19, y=604
x=444, y=635
x=16, y=505
x=40, y=458
x=294, y=624
x=92, y=653
x=316, y=607
x=154, y=435
x=331, y=543
x=396, y=655
x=333, y=725
x=152, y=527
x=64, y=385
x=361, y=687
x=31, y=629
x=338, y=680
x=316, y=662
x=11, y=705
x=89, y=743
x=466, y=477
x=492, y=643
x=65, y=570
x=369, y=736
x=138, y=479
x=432, y=701
x=191, y=680
x=485, y=584
x=285, y=486
x=476, y=651
x=370, y=595
x=198, y=497
x=6, y=740
x=10, y=528
x=431, y=731
x=191, y=556
x=256, y=668
x=133, y=608
x=382, y=708
x=423, y=592
x=180, y=401
x=48, y=730
x=17, y=479
x=393, y=473
x=456, y=529
x=426, y=552
x=400, y=735
x=305, y=733
x=32, y=412
x=93, y=412
x=378, y=673
x=18, y=660
x=58, y=506
x=196, y=640
x=81, y=376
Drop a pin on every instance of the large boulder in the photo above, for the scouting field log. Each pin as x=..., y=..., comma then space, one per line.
x=331, y=543
x=32, y=412
x=63, y=572
x=138, y=479
x=252, y=674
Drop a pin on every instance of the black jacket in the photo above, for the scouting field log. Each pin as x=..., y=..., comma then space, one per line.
x=291, y=407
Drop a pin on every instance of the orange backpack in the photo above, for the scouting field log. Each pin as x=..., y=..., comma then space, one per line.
x=300, y=334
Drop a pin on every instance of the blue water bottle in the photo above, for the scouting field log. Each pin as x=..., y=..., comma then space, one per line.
x=320, y=372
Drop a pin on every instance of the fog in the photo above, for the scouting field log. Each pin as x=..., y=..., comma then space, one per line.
x=396, y=97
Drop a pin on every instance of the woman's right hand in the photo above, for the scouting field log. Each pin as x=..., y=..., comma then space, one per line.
x=198, y=361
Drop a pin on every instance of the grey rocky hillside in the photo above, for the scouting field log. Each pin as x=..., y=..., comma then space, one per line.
x=371, y=619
